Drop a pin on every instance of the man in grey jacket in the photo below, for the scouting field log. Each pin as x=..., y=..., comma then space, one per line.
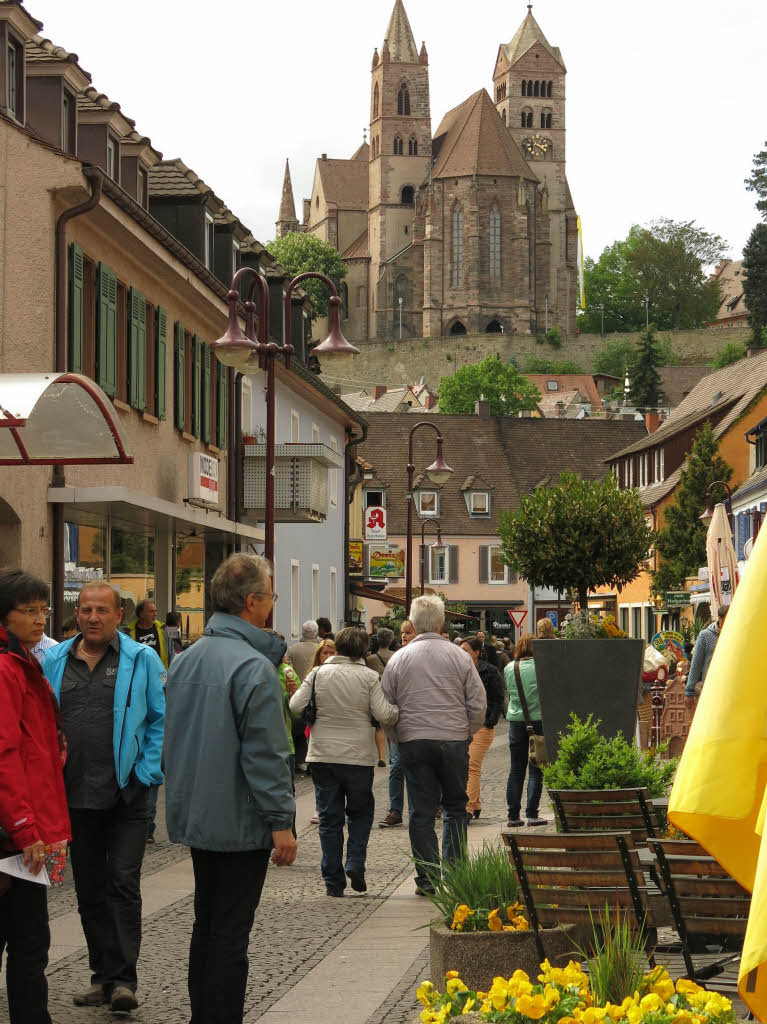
x=702, y=653
x=441, y=703
x=229, y=794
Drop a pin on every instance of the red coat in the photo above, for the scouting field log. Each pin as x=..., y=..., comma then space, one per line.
x=33, y=803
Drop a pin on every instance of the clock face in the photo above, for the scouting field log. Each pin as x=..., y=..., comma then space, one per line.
x=536, y=145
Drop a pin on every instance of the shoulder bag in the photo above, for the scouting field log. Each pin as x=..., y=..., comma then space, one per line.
x=536, y=744
x=309, y=714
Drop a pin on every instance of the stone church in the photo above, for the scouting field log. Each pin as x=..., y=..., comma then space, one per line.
x=469, y=230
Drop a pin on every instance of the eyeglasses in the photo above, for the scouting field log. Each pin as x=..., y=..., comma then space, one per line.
x=273, y=596
x=34, y=611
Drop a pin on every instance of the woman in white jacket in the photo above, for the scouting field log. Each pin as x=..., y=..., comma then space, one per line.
x=342, y=752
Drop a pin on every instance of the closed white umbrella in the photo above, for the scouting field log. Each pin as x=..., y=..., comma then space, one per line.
x=722, y=561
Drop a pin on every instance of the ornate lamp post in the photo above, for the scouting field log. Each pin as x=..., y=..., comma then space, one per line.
x=708, y=515
x=435, y=545
x=439, y=473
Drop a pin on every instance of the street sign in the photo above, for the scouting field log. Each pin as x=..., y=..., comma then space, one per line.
x=554, y=616
x=517, y=617
x=676, y=599
x=375, y=523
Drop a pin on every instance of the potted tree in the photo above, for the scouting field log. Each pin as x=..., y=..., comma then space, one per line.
x=575, y=537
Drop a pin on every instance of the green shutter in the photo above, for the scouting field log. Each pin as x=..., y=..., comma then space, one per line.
x=196, y=374
x=106, y=345
x=75, y=308
x=179, y=376
x=137, y=349
x=221, y=406
x=161, y=356
x=205, y=403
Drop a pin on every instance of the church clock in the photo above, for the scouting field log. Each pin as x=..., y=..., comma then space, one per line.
x=536, y=146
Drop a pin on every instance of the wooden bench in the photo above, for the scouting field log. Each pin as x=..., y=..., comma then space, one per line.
x=606, y=810
x=571, y=879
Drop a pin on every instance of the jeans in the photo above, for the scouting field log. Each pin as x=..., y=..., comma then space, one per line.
x=519, y=752
x=107, y=850
x=396, y=781
x=227, y=890
x=152, y=805
x=343, y=788
x=436, y=771
x=478, y=747
x=25, y=935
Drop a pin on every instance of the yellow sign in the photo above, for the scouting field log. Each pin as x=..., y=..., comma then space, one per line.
x=386, y=561
x=355, y=556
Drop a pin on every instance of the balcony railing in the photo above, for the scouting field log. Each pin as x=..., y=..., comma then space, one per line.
x=301, y=491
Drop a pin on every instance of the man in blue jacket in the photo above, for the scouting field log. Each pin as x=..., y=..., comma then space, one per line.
x=228, y=792
x=110, y=689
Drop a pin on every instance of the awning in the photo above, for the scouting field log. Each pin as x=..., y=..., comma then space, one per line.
x=57, y=419
x=376, y=595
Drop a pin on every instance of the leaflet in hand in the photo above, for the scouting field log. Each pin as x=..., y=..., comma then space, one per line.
x=16, y=867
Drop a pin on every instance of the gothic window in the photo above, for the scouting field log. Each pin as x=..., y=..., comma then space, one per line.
x=344, y=290
x=458, y=328
x=400, y=289
x=397, y=146
x=376, y=97
x=360, y=295
x=503, y=115
x=412, y=147
x=535, y=89
x=527, y=118
x=545, y=119
x=494, y=327
x=457, y=276
x=548, y=88
x=495, y=242
x=403, y=100
x=524, y=88
x=407, y=197
x=529, y=87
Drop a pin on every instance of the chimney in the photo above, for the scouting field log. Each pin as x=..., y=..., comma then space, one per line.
x=378, y=391
x=652, y=421
x=560, y=409
x=482, y=409
x=324, y=156
x=431, y=401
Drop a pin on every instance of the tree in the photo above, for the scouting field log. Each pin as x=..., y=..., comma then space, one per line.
x=681, y=250
x=615, y=357
x=757, y=181
x=645, y=384
x=681, y=542
x=499, y=383
x=732, y=352
x=298, y=252
x=577, y=536
x=755, y=282
x=535, y=364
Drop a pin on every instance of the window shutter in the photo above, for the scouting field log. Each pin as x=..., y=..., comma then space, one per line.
x=484, y=561
x=106, y=346
x=452, y=554
x=205, y=397
x=75, y=309
x=221, y=405
x=179, y=398
x=762, y=513
x=196, y=375
x=137, y=349
x=161, y=355
x=741, y=529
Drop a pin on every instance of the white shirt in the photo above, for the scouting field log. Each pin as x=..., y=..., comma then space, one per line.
x=42, y=645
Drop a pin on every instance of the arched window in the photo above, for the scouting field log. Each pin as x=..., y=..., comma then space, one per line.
x=400, y=289
x=397, y=146
x=524, y=88
x=548, y=88
x=535, y=89
x=495, y=242
x=360, y=295
x=407, y=197
x=503, y=115
x=524, y=119
x=457, y=276
x=494, y=327
x=529, y=87
x=403, y=100
x=412, y=147
x=458, y=328
x=376, y=97
x=527, y=118
x=548, y=120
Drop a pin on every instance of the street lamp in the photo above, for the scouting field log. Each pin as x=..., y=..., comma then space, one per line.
x=708, y=515
x=401, y=300
x=434, y=547
x=601, y=309
x=237, y=346
x=646, y=304
x=439, y=473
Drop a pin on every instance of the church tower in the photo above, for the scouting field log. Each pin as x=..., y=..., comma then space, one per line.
x=400, y=154
x=287, y=220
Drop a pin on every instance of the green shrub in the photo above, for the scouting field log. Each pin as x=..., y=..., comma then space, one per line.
x=481, y=879
x=729, y=353
x=554, y=337
x=586, y=760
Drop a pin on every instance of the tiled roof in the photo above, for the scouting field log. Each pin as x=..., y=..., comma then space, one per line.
x=363, y=153
x=345, y=183
x=92, y=99
x=476, y=141
x=174, y=178
x=399, y=37
x=756, y=482
x=730, y=275
x=359, y=249
x=676, y=382
x=20, y=5
x=529, y=33
x=582, y=382
x=40, y=50
x=388, y=402
x=551, y=402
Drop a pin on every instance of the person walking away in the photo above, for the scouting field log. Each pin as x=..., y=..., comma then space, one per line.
x=33, y=804
x=173, y=634
x=396, y=778
x=300, y=656
x=228, y=791
x=342, y=753
x=147, y=629
x=544, y=629
x=373, y=635
x=377, y=661
x=113, y=706
x=325, y=649
x=702, y=653
x=441, y=703
x=324, y=629
x=483, y=737
x=518, y=737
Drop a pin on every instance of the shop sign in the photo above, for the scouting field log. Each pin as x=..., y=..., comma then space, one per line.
x=670, y=642
x=375, y=523
x=355, y=557
x=386, y=561
x=203, y=478
x=676, y=598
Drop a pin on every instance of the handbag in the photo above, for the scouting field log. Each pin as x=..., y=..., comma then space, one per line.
x=309, y=714
x=537, y=754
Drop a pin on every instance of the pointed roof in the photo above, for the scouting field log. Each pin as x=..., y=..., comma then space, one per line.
x=399, y=36
x=529, y=33
x=472, y=139
x=363, y=153
x=287, y=203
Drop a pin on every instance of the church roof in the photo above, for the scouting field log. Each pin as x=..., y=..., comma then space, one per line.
x=529, y=33
x=345, y=182
x=363, y=153
x=359, y=249
x=287, y=203
x=472, y=139
x=399, y=36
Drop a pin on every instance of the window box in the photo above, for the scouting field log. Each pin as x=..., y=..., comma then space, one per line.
x=301, y=491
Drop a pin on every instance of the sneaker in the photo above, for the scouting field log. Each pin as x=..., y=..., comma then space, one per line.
x=94, y=996
x=391, y=820
x=357, y=879
x=536, y=821
x=382, y=764
x=150, y=839
x=315, y=818
x=123, y=999
x=514, y=823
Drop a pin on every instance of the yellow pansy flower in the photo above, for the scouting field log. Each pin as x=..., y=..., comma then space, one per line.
x=467, y=1006
x=460, y=916
x=425, y=993
x=634, y=1014
x=533, y=1007
x=521, y=923
x=651, y=1002
x=451, y=974
x=685, y=987
x=494, y=922
x=455, y=985
x=593, y=1014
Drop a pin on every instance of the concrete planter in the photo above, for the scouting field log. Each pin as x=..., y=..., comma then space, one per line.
x=481, y=956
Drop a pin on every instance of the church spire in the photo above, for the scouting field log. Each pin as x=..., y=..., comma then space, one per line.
x=529, y=33
x=399, y=36
x=287, y=220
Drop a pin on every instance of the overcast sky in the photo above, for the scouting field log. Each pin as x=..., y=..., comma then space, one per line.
x=666, y=99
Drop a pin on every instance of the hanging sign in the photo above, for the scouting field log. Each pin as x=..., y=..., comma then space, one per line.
x=375, y=523
x=386, y=561
x=203, y=477
x=355, y=557
x=517, y=617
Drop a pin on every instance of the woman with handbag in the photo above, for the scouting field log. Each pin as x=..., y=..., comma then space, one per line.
x=483, y=738
x=339, y=700
x=525, y=733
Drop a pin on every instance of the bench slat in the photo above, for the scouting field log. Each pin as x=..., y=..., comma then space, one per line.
x=573, y=859
x=602, y=795
x=583, y=879
x=581, y=897
x=576, y=915
x=726, y=888
x=706, y=867
x=716, y=925
x=566, y=840
x=716, y=906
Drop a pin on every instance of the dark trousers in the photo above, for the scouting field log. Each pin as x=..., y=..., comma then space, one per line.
x=107, y=850
x=436, y=772
x=227, y=890
x=154, y=792
x=343, y=790
x=24, y=934
x=396, y=781
x=519, y=753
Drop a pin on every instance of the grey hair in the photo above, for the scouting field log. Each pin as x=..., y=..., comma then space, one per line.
x=385, y=637
x=236, y=578
x=427, y=614
x=309, y=630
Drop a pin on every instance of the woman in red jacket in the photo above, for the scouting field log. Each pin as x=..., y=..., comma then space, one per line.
x=33, y=806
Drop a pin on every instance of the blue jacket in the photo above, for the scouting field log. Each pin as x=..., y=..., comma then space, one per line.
x=227, y=778
x=139, y=707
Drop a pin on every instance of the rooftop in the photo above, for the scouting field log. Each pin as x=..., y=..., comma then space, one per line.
x=472, y=139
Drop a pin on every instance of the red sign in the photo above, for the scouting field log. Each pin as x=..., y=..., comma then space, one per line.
x=375, y=523
x=517, y=617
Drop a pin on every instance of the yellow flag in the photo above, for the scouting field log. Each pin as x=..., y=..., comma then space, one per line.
x=581, y=289
x=720, y=792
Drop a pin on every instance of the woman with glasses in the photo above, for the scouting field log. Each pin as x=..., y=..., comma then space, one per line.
x=33, y=806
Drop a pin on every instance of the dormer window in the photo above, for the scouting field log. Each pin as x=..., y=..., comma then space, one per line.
x=479, y=503
x=552, y=385
x=208, y=241
x=111, y=158
x=142, y=187
x=235, y=256
x=14, y=82
x=428, y=504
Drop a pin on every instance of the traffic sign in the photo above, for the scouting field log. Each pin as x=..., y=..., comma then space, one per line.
x=517, y=617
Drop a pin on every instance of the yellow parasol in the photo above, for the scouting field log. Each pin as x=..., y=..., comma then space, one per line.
x=720, y=793
x=722, y=561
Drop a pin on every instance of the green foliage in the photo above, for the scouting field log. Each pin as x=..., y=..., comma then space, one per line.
x=615, y=357
x=554, y=337
x=757, y=181
x=755, y=282
x=535, y=364
x=731, y=352
x=586, y=760
x=681, y=542
x=499, y=383
x=576, y=536
x=298, y=253
x=645, y=384
x=615, y=957
x=482, y=879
